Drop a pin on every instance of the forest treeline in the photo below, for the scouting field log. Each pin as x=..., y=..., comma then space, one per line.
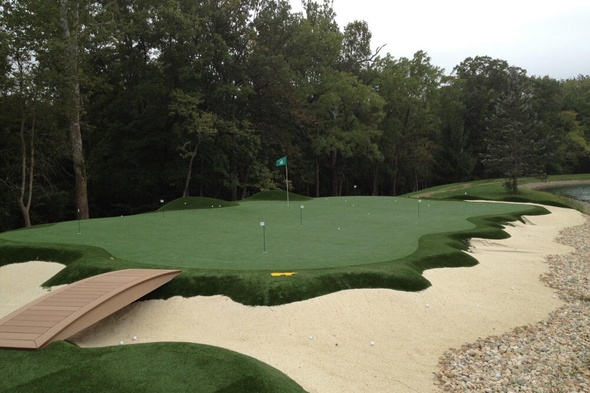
x=111, y=107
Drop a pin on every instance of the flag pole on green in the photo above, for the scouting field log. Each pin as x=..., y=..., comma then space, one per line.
x=283, y=162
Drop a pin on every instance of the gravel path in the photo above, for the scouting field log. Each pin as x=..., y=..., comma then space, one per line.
x=550, y=356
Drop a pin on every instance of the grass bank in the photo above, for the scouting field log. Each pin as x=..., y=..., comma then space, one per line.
x=157, y=367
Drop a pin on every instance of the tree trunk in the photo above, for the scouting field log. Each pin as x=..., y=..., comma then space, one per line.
x=189, y=172
x=245, y=185
x=27, y=170
x=375, y=181
x=394, y=177
x=74, y=108
x=81, y=177
x=317, y=177
x=514, y=180
x=333, y=162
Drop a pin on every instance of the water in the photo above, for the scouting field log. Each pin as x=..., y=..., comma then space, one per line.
x=580, y=192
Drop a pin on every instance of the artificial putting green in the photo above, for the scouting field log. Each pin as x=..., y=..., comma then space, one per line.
x=330, y=244
x=182, y=367
x=325, y=233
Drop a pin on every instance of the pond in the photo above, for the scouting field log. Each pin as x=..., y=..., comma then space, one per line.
x=580, y=192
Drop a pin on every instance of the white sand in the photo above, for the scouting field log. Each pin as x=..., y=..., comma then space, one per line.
x=20, y=283
x=325, y=343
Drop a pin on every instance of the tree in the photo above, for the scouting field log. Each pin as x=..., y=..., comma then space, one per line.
x=21, y=95
x=515, y=145
x=410, y=89
x=71, y=30
x=278, y=112
x=194, y=127
x=349, y=113
x=576, y=96
x=130, y=146
x=357, y=54
x=547, y=102
x=455, y=156
x=481, y=80
x=30, y=144
x=574, y=149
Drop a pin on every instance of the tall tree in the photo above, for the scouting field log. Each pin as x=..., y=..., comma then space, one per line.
x=410, y=89
x=357, y=54
x=455, y=156
x=194, y=127
x=349, y=113
x=129, y=105
x=27, y=124
x=20, y=98
x=71, y=30
x=482, y=79
x=576, y=93
x=516, y=146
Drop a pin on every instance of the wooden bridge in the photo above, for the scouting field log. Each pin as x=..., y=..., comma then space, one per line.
x=70, y=309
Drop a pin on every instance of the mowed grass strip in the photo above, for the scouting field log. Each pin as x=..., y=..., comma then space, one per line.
x=325, y=233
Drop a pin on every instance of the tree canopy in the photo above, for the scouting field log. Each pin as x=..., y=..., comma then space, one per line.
x=111, y=106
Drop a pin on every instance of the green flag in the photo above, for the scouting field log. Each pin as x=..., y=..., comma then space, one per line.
x=282, y=161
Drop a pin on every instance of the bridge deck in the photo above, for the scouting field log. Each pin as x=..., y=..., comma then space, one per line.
x=70, y=309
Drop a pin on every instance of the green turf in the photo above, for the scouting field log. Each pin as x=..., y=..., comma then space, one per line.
x=157, y=367
x=493, y=190
x=326, y=233
x=391, y=225
x=332, y=244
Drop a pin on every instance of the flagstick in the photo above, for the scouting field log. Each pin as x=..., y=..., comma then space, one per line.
x=287, y=177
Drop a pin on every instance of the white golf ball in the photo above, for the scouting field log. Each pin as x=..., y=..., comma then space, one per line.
x=121, y=342
x=134, y=338
x=372, y=343
x=338, y=228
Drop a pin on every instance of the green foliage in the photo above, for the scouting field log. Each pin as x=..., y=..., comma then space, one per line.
x=233, y=85
x=516, y=146
x=454, y=155
x=157, y=367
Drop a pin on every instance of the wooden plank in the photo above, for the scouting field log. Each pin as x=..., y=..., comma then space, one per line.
x=13, y=322
x=70, y=309
x=22, y=329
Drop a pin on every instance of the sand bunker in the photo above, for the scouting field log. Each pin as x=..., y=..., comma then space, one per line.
x=350, y=341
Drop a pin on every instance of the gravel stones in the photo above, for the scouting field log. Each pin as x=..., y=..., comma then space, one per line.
x=550, y=356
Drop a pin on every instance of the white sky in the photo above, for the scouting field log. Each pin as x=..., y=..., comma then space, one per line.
x=543, y=37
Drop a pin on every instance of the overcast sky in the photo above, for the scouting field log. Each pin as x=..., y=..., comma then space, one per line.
x=543, y=37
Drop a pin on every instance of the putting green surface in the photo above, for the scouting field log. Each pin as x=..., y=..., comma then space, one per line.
x=319, y=233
